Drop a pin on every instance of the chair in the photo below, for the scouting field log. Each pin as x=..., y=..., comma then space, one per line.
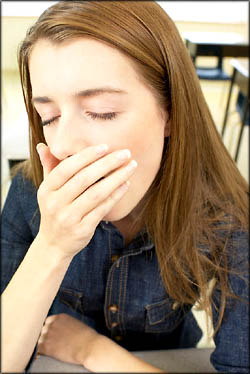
x=213, y=73
x=242, y=107
x=239, y=78
x=241, y=102
x=210, y=73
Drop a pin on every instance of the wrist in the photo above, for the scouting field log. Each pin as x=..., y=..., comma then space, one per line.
x=89, y=357
x=52, y=252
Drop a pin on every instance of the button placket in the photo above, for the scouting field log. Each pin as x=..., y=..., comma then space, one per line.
x=116, y=296
x=114, y=258
x=113, y=308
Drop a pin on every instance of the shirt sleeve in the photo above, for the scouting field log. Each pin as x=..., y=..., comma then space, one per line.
x=17, y=230
x=231, y=354
x=16, y=227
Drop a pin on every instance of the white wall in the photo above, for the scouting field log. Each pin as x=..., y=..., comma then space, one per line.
x=25, y=8
x=201, y=11
x=207, y=11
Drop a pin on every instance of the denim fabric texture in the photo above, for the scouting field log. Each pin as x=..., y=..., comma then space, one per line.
x=117, y=289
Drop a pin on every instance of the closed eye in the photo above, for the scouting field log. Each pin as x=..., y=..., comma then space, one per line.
x=103, y=116
x=49, y=121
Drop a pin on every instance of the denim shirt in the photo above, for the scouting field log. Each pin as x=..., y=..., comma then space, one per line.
x=117, y=289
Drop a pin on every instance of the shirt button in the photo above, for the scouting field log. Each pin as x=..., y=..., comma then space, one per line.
x=114, y=258
x=114, y=324
x=175, y=305
x=118, y=338
x=113, y=308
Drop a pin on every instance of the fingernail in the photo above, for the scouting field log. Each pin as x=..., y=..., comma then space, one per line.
x=124, y=187
x=132, y=165
x=122, y=155
x=102, y=148
x=122, y=190
x=39, y=147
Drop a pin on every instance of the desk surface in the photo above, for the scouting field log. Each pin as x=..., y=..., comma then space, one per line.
x=190, y=360
x=242, y=65
x=227, y=38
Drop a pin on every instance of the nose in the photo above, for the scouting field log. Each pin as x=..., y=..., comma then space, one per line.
x=66, y=140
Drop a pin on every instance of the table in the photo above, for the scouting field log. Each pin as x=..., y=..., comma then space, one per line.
x=191, y=360
x=240, y=78
x=226, y=44
x=219, y=44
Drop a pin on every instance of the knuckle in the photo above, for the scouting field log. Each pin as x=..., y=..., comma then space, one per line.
x=49, y=319
x=110, y=200
x=94, y=195
x=84, y=231
x=59, y=317
x=62, y=170
x=67, y=220
x=83, y=179
x=108, y=204
x=62, y=219
x=63, y=315
x=41, y=192
x=51, y=206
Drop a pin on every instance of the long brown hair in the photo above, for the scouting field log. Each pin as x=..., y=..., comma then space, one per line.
x=198, y=192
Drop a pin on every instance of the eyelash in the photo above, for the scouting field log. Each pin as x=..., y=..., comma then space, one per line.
x=49, y=121
x=102, y=116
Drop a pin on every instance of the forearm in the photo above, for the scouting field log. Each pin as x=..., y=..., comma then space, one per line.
x=26, y=301
x=107, y=356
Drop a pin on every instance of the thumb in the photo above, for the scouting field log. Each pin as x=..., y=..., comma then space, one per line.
x=48, y=161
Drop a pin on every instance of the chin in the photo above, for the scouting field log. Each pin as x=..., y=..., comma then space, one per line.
x=119, y=211
x=115, y=215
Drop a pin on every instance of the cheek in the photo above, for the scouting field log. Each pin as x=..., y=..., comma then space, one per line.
x=147, y=145
x=47, y=136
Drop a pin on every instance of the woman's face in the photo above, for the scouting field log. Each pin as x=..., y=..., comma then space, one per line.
x=77, y=83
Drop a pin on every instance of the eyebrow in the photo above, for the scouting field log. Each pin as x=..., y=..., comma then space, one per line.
x=85, y=93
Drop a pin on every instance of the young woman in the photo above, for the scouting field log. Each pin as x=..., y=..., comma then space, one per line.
x=129, y=204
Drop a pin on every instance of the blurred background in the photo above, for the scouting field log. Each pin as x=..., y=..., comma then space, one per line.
x=216, y=35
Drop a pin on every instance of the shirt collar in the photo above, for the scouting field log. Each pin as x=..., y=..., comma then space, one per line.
x=141, y=242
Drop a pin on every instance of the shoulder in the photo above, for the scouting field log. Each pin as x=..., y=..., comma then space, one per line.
x=20, y=182
x=21, y=201
x=237, y=247
x=22, y=189
x=232, y=340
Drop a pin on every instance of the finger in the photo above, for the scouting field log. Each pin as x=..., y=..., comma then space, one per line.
x=40, y=341
x=71, y=165
x=52, y=318
x=48, y=161
x=93, y=218
x=41, y=344
x=86, y=177
x=101, y=191
x=41, y=348
x=45, y=329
